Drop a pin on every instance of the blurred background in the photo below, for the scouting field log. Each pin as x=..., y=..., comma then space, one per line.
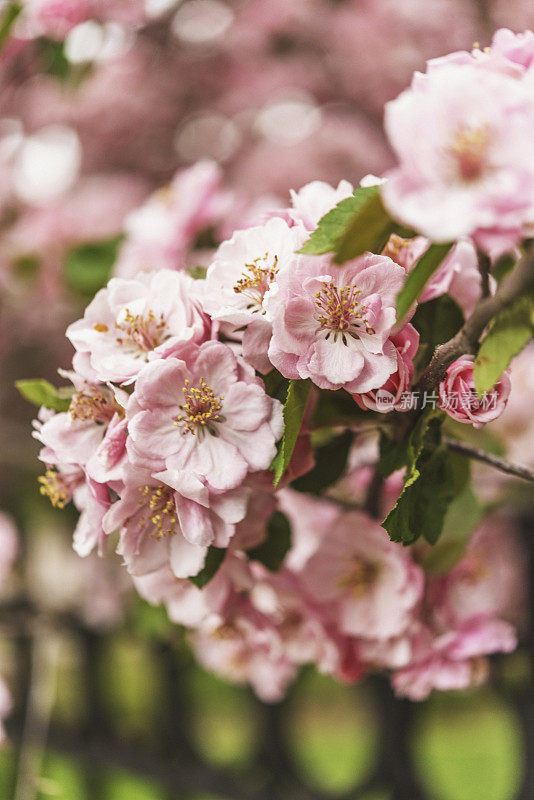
x=102, y=105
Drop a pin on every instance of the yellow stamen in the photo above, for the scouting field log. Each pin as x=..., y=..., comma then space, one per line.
x=201, y=407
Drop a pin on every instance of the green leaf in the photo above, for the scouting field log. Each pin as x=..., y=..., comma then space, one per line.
x=273, y=550
x=295, y=405
x=88, y=267
x=42, y=393
x=463, y=516
x=419, y=276
x=330, y=464
x=334, y=225
x=9, y=17
x=508, y=334
x=393, y=455
x=276, y=385
x=214, y=558
x=428, y=489
x=369, y=229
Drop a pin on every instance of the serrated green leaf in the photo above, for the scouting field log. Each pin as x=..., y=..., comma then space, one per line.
x=369, y=230
x=428, y=489
x=333, y=226
x=88, y=267
x=273, y=550
x=214, y=558
x=508, y=334
x=42, y=393
x=330, y=464
x=357, y=224
x=393, y=455
x=419, y=276
x=294, y=407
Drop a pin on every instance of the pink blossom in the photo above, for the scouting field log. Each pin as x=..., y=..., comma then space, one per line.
x=185, y=603
x=392, y=394
x=133, y=321
x=368, y=584
x=91, y=435
x=206, y=414
x=333, y=324
x=169, y=518
x=458, y=396
x=240, y=278
x=488, y=582
x=462, y=137
x=55, y=18
x=510, y=52
x=241, y=654
x=92, y=499
x=160, y=234
x=455, y=660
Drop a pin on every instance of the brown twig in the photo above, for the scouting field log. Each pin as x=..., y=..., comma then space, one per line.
x=520, y=280
x=487, y=458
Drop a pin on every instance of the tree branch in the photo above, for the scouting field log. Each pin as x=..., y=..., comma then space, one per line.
x=516, y=470
x=520, y=280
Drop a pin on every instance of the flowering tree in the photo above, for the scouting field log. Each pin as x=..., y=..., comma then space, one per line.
x=279, y=443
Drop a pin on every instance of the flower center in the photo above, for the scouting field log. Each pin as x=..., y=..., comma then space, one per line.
x=145, y=331
x=360, y=578
x=340, y=312
x=256, y=280
x=200, y=408
x=95, y=406
x=58, y=488
x=159, y=502
x=470, y=151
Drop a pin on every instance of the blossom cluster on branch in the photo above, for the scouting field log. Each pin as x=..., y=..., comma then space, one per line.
x=236, y=422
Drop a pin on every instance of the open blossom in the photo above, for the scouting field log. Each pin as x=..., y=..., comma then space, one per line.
x=91, y=435
x=132, y=321
x=459, y=398
x=467, y=614
x=206, y=414
x=392, y=394
x=168, y=518
x=462, y=135
x=454, y=660
x=367, y=584
x=161, y=233
x=333, y=324
x=241, y=276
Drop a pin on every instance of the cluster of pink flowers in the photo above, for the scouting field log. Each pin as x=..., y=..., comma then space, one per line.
x=167, y=443
x=349, y=601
